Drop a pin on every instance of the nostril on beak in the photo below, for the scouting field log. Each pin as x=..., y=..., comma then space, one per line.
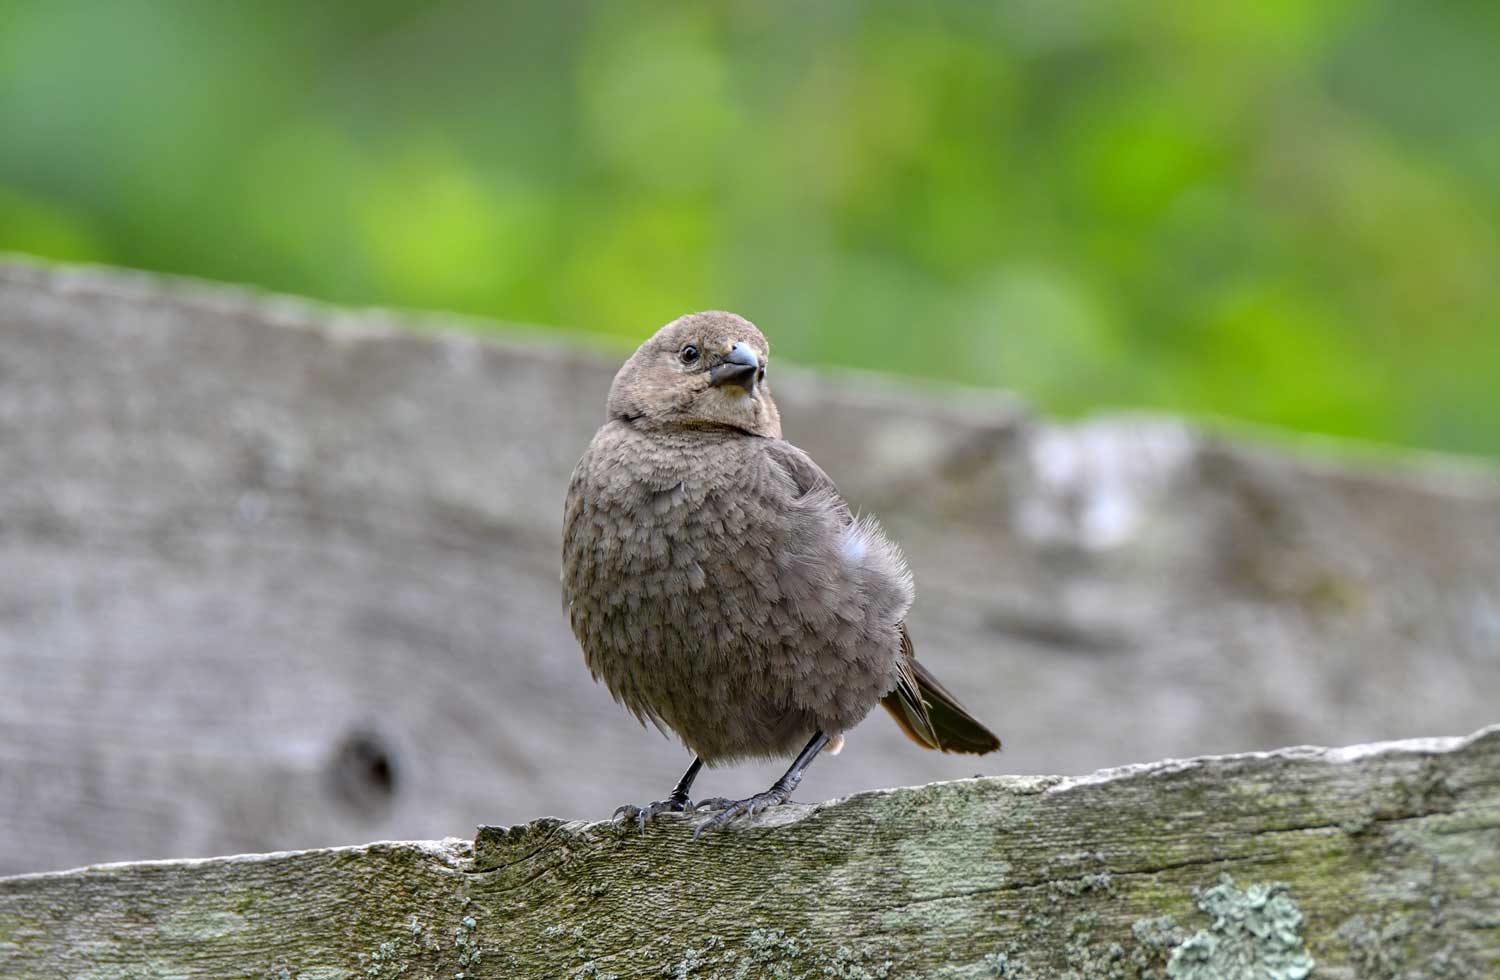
x=739, y=368
x=741, y=353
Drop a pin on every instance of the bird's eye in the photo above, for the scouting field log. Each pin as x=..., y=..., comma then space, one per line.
x=689, y=354
x=762, y=376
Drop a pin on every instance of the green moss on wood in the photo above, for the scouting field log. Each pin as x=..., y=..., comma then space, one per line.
x=1021, y=879
x=775, y=955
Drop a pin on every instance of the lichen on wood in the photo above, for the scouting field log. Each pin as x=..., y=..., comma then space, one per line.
x=1378, y=861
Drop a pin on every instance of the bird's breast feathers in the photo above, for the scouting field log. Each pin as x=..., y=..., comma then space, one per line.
x=751, y=517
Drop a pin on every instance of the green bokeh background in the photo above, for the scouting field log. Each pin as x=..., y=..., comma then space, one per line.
x=1280, y=212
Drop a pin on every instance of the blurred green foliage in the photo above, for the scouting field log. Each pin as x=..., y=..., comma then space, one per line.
x=1286, y=212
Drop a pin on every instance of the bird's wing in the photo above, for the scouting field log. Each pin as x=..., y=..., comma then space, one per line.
x=926, y=710
x=906, y=702
x=807, y=475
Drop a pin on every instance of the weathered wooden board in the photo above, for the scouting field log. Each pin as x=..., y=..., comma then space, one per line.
x=1373, y=862
x=273, y=575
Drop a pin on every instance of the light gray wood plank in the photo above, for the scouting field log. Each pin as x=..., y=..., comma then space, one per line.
x=250, y=546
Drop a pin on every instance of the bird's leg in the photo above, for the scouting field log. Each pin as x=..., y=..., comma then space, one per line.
x=679, y=798
x=678, y=802
x=779, y=793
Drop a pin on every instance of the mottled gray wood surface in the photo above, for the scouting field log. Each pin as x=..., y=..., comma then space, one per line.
x=1373, y=862
x=274, y=576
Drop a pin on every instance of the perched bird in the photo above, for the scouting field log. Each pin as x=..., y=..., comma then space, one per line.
x=719, y=584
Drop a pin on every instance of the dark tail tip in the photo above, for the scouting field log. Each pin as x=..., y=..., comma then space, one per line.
x=959, y=731
x=946, y=724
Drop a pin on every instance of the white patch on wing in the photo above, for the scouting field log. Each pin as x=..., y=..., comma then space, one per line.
x=877, y=573
x=856, y=543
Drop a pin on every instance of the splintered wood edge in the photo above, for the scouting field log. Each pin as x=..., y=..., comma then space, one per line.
x=491, y=839
x=1370, y=861
x=456, y=851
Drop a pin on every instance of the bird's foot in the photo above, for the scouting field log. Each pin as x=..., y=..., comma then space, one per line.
x=644, y=815
x=730, y=810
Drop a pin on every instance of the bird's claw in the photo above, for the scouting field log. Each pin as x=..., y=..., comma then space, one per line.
x=730, y=810
x=644, y=815
x=714, y=803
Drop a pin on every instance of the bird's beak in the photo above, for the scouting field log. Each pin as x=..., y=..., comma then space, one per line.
x=739, y=368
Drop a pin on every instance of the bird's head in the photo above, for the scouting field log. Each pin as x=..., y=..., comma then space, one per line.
x=699, y=371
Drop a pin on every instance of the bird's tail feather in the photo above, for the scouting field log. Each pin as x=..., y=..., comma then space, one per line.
x=932, y=717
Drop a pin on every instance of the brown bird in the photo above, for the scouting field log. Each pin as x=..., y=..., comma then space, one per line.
x=719, y=584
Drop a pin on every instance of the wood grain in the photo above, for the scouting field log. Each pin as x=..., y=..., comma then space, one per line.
x=276, y=575
x=1371, y=862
